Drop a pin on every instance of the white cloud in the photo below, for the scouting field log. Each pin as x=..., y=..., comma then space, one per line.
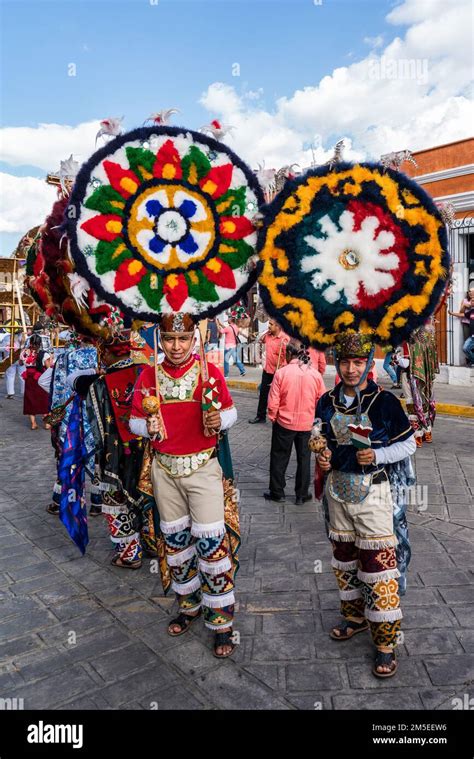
x=26, y=201
x=47, y=144
x=374, y=41
x=413, y=93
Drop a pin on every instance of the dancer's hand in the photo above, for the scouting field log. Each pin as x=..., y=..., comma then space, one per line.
x=324, y=460
x=365, y=456
x=212, y=420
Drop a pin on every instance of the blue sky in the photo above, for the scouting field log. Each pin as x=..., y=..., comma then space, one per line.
x=133, y=57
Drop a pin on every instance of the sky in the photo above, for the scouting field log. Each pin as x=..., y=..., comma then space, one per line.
x=290, y=76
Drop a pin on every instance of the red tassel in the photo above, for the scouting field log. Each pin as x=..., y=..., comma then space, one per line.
x=122, y=180
x=219, y=273
x=168, y=162
x=236, y=227
x=103, y=227
x=129, y=273
x=175, y=290
x=217, y=180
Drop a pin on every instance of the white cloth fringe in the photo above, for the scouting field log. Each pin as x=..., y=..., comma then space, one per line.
x=167, y=528
x=114, y=510
x=176, y=559
x=344, y=537
x=184, y=588
x=372, y=577
x=126, y=540
x=215, y=567
x=349, y=595
x=373, y=543
x=383, y=616
x=216, y=628
x=344, y=565
x=209, y=530
x=218, y=602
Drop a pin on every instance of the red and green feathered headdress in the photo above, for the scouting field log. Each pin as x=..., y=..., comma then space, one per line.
x=160, y=220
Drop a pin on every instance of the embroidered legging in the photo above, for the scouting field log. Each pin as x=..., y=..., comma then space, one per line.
x=121, y=522
x=201, y=571
x=368, y=587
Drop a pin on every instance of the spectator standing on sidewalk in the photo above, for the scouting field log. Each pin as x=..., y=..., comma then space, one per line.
x=231, y=346
x=467, y=314
x=318, y=360
x=294, y=394
x=275, y=342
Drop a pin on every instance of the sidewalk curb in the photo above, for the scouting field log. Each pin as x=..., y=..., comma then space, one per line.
x=445, y=409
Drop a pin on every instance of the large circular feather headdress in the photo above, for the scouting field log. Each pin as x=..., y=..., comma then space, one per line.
x=357, y=247
x=160, y=220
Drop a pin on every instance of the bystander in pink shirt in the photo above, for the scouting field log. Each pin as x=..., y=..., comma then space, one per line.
x=294, y=394
x=275, y=351
x=230, y=336
x=318, y=359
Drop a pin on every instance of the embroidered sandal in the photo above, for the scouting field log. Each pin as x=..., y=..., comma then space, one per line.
x=385, y=659
x=118, y=562
x=345, y=626
x=223, y=639
x=183, y=621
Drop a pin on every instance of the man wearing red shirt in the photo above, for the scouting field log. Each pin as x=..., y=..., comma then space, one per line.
x=275, y=342
x=187, y=480
x=294, y=395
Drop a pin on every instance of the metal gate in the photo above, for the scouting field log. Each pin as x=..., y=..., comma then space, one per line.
x=448, y=328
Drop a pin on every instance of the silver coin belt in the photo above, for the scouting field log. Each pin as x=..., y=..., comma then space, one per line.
x=180, y=388
x=183, y=466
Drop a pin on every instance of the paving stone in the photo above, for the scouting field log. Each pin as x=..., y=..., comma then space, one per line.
x=441, y=578
x=79, y=625
x=432, y=617
x=229, y=688
x=10, y=606
x=134, y=688
x=310, y=677
x=176, y=698
x=451, y=670
x=283, y=584
x=275, y=602
x=466, y=639
x=463, y=615
x=41, y=663
x=283, y=648
x=420, y=642
x=18, y=647
x=459, y=595
x=132, y=658
x=327, y=648
x=89, y=647
x=137, y=614
x=77, y=607
x=288, y=623
x=54, y=690
x=448, y=698
x=191, y=657
x=403, y=699
x=23, y=623
x=410, y=672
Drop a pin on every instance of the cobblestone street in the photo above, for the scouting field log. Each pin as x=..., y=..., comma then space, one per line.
x=78, y=633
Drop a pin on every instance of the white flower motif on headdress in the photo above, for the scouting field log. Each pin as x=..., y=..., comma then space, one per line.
x=347, y=259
